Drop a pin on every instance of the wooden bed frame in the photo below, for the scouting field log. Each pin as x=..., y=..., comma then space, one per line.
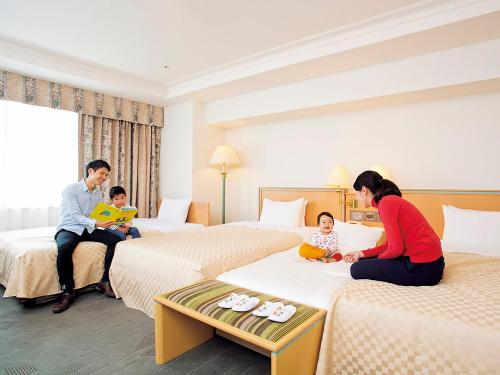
x=318, y=200
x=429, y=202
x=199, y=213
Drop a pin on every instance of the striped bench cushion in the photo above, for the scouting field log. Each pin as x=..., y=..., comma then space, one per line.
x=204, y=296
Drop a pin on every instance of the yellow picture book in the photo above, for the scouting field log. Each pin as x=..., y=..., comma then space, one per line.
x=105, y=212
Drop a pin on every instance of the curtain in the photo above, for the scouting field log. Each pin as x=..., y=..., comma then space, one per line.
x=133, y=152
x=124, y=132
x=29, y=90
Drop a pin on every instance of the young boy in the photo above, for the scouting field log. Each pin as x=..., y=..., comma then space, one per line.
x=118, y=196
x=78, y=201
x=324, y=243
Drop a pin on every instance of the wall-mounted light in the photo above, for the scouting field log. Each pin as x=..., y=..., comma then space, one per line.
x=381, y=170
x=339, y=179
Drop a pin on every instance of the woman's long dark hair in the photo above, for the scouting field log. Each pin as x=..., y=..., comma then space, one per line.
x=379, y=186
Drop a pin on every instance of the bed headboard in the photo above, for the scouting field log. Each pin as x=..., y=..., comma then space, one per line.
x=199, y=213
x=318, y=200
x=430, y=203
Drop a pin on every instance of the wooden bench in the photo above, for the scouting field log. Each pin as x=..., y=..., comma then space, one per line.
x=187, y=317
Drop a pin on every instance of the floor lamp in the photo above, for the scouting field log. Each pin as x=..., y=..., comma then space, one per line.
x=224, y=156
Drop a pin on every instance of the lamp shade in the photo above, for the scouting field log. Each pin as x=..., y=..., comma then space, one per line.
x=338, y=177
x=224, y=154
x=381, y=170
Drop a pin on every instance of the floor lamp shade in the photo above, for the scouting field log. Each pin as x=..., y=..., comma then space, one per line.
x=224, y=155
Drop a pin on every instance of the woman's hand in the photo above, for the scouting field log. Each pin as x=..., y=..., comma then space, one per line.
x=353, y=256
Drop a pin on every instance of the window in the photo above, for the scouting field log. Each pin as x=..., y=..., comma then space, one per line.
x=38, y=158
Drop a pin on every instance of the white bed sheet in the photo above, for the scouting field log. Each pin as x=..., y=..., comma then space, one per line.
x=289, y=276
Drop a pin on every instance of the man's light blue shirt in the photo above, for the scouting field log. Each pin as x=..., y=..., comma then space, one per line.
x=77, y=204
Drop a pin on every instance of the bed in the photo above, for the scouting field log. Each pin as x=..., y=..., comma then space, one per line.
x=374, y=327
x=394, y=328
x=289, y=276
x=28, y=256
x=451, y=328
x=147, y=267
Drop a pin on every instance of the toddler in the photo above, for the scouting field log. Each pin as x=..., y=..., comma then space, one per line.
x=324, y=243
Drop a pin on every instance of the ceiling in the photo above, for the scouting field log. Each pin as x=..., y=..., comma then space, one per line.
x=139, y=37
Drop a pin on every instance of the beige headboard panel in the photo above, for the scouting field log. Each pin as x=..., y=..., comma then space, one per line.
x=430, y=203
x=199, y=213
x=318, y=200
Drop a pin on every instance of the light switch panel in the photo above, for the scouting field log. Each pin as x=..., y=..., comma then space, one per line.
x=357, y=215
x=372, y=216
x=364, y=216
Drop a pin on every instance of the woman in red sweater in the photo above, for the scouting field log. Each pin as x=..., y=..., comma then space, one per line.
x=412, y=254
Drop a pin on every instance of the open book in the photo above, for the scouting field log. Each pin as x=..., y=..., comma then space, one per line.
x=105, y=212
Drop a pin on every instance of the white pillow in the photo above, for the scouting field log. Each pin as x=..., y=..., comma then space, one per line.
x=281, y=213
x=174, y=211
x=482, y=249
x=351, y=236
x=307, y=232
x=471, y=230
x=356, y=236
x=303, y=214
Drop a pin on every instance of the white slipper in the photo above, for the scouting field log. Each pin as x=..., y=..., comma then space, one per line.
x=267, y=308
x=245, y=303
x=229, y=301
x=282, y=314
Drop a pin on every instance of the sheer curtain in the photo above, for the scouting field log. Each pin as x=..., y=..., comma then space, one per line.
x=38, y=158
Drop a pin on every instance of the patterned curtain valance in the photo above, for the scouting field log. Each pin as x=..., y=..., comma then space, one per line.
x=29, y=90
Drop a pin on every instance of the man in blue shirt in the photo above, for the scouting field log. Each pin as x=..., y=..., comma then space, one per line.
x=78, y=201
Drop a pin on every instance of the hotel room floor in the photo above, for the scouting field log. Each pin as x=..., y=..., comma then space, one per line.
x=99, y=335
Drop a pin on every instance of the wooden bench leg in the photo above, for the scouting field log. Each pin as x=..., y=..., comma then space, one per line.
x=176, y=333
x=300, y=356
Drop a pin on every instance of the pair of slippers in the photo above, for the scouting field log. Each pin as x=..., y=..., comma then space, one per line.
x=275, y=311
x=239, y=302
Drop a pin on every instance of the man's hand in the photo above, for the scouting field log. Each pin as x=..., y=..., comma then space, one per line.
x=104, y=224
x=353, y=256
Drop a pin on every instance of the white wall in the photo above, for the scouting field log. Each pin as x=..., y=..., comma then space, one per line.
x=449, y=144
x=187, y=145
x=206, y=179
x=177, y=152
x=456, y=66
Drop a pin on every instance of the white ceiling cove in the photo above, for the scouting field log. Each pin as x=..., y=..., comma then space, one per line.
x=121, y=46
x=141, y=36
